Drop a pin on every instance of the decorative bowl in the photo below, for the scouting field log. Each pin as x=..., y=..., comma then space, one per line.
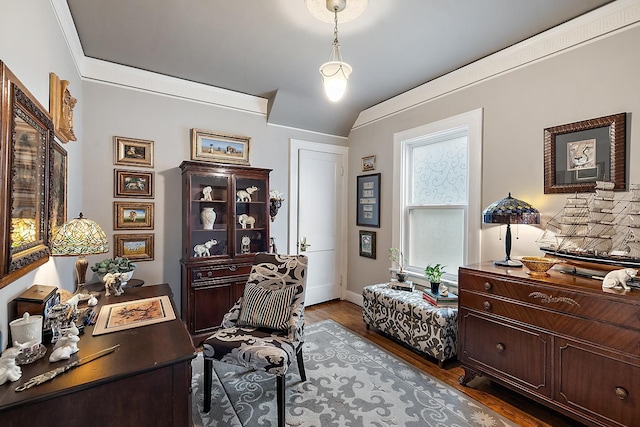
x=539, y=265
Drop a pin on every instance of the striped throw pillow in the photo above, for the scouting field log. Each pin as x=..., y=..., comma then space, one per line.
x=266, y=308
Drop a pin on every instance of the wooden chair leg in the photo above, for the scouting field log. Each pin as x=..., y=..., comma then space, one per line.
x=303, y=374
x=281, y=391
x=208, y=375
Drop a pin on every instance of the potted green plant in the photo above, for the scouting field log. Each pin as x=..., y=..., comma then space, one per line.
x=396, y=256
x=115, y=265
x=434, y=273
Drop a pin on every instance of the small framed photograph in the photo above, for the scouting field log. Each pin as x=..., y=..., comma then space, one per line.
x=368, y=163
x=136, y=247
x=133, y=215
x=368, y=244
x=137, y=184
x=219, y=147
x=368, y=202
x=58, y=187
x=133, y=152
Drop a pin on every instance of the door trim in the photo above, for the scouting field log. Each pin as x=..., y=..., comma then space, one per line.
x=295, y=146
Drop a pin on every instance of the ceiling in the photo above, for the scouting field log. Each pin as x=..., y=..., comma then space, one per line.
x=272, y=49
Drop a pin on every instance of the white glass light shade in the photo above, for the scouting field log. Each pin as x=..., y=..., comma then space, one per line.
x=335, y=75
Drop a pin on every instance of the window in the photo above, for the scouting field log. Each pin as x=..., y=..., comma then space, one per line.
x=437, y=194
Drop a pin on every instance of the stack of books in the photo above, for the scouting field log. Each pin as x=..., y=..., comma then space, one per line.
x=439, y=300
x=407, y=285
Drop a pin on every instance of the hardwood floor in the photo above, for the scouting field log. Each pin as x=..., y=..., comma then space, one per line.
x=520, y=410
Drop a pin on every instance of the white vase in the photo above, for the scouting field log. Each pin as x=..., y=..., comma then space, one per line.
x=208, y=217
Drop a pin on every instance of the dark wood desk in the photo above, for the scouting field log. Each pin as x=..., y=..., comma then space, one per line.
x=146, y=382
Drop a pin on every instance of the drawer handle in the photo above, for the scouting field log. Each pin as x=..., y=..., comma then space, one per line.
x=500, y=347
x=547, y=299
x=487, y=286
x=486, y=305
x=621, y=393
x=233, y=267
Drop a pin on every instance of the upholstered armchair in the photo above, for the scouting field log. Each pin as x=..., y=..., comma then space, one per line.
x=264, y=330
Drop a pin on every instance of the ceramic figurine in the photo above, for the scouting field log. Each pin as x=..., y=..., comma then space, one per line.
x=246, y=220
x=203, y=249
x=245, y=195
x=617, y=278
x=66, y=345
x=206, y=193
x=112, y=283
x=93, y=301
x=8, y=368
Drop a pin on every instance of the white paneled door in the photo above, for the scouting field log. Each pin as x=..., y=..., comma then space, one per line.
x=318, y=229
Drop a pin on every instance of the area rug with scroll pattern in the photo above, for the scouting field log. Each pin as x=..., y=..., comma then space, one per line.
x=351, y=382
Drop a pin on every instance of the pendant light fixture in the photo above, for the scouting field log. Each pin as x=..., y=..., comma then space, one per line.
x=335, y=73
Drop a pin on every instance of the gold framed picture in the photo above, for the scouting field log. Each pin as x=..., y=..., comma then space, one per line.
x=58, y=187
x=368, y=163
x=133, y=215
x=136, y=247
x=220, y=147
x=133, y=314
x=132, y=184
x=133, y=152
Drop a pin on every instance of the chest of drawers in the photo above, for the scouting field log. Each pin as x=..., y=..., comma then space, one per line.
x=562, y=341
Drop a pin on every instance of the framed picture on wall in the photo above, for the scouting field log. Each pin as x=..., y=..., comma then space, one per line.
x=133, y=152
x=136, y=247
x=368, y=203
x=367, y=244
x=58, y=187
x=368, y=163
x=133, y=215
x=137, y=184
x=576, y=155
x=220, y=147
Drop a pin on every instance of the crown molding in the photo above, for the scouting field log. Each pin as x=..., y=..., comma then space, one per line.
x=602, y=22
x=91, y=69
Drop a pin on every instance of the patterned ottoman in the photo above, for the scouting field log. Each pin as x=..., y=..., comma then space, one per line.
x=410, y=319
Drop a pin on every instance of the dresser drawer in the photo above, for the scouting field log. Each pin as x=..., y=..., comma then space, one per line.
x=518, y=355
x=217, y=273
x=605, y=307
x=619, y=338
x=598, y=382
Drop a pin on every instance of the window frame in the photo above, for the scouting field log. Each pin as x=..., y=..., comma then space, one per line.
x=403, y=142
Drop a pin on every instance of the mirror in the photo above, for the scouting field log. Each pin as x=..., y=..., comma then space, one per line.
x=27, y=135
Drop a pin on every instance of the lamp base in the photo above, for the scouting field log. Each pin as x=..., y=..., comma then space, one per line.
x=508, y=263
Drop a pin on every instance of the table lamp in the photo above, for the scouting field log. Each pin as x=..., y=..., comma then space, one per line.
x=510, y=211
x=79, y=237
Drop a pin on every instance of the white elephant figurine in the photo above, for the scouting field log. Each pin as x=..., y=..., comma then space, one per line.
x=203, y=249
x=246, y=220
x=617, y=278
x=245, y=195
x=113, y=283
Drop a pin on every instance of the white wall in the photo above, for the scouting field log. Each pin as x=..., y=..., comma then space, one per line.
x=115, y=111
x=32, y=46
x=594, y=80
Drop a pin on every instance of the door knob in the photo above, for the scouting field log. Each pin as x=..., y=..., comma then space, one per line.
x=303, y=244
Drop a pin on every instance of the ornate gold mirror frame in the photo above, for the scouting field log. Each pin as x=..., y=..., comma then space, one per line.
x=26, y=135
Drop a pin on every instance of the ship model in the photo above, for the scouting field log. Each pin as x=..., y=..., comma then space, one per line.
x=596, y=228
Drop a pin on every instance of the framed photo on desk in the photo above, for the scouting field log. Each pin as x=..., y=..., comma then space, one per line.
x=368, y=203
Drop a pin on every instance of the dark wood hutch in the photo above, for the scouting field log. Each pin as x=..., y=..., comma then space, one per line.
x=216, y=260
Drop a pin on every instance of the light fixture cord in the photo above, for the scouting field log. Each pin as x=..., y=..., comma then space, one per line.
x=336, y=45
